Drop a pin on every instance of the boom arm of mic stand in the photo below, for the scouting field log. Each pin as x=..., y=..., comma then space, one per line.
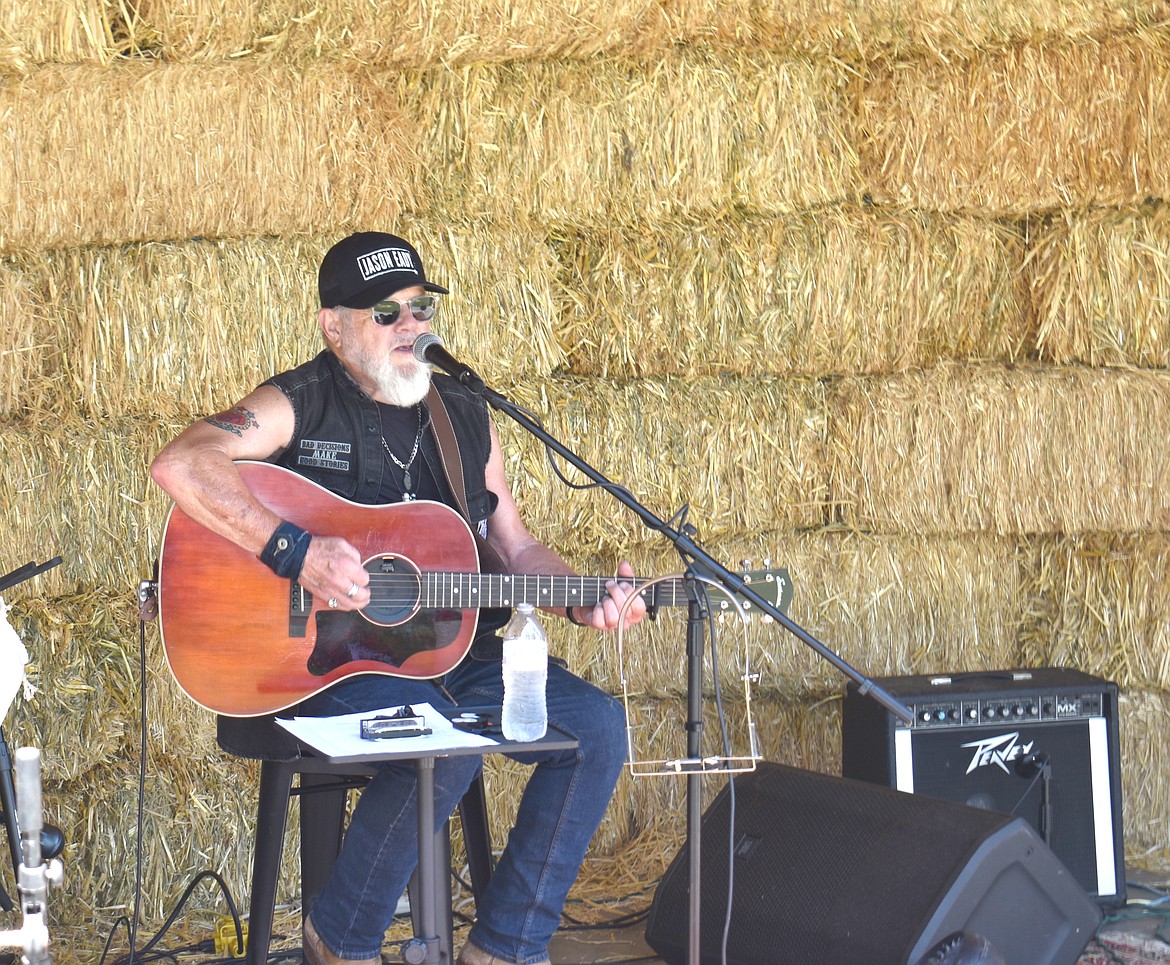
x=26, y=572
x=693, y=553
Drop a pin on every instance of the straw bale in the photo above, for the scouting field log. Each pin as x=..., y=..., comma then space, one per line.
x=155, y=151
x=643, y=803
x=197, y=816
x=622, y=139
x=263, y=149
x=1101, y=604
x=81, y=490
x=877, y=27
x=413, y=34
x=1026, y=128
x=644, y=828
x=1009, y=451
x=458, y=32
x=806, y=734
x=61, y=31
x=886, y=605
x=662, y=440
x=82, y=662
x=1145, y=791
x=85, y=658
x=26, y=356
x=1100, y=282
x=847, y=289
x=183, y=329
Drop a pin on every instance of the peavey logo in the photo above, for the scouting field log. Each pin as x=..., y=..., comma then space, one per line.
x=384, y=260
x=998, y=750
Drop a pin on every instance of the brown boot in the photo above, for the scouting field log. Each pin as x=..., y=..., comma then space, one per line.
x=317, y=954
x=474, y=955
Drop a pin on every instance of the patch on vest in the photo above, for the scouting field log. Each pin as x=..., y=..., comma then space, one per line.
x=322, y=454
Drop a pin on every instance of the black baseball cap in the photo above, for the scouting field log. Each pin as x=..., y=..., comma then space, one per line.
x=362, y=269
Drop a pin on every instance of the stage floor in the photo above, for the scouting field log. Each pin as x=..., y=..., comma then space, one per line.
x=1134, y=935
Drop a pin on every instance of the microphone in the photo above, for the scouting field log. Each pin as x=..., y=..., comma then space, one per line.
x=428, y=347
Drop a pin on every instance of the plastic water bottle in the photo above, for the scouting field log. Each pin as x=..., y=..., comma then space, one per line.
x=524, y=716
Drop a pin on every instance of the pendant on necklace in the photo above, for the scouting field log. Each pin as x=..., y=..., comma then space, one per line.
x=406, y=480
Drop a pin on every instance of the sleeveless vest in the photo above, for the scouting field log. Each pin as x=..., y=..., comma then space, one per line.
x=337, y=436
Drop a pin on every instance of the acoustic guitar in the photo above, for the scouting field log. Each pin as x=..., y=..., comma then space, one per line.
x=242, y=641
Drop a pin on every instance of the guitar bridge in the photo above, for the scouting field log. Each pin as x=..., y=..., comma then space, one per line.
x=300, y=602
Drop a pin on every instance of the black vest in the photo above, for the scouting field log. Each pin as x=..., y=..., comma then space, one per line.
x=337, y=437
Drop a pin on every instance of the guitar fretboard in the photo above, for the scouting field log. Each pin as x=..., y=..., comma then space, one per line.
x=435, y=590
x=477, y=590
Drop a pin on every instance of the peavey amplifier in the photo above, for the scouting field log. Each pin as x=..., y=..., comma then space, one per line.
x=1037, y=744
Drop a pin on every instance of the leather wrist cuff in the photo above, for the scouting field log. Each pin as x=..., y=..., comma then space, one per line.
x=284, y=553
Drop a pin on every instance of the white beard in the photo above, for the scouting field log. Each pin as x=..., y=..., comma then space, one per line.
x=396, y=385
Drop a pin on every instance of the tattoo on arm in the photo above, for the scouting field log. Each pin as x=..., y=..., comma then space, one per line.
x=236, y=420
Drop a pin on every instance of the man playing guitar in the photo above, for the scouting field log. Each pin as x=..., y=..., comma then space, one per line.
x=360, y=421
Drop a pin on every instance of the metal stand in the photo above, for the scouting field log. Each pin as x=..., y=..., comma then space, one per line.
x=428, y=946
x=51, y=840
x=697, y=563
x=423, y=948
x=695, y=620
x=35, y=873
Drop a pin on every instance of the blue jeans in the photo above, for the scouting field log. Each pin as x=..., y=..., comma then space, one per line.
x=563, y=803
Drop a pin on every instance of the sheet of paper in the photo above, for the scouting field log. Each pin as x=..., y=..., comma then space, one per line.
x=339, y=738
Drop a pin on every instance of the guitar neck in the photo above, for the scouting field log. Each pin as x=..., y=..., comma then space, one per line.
x=478, y=590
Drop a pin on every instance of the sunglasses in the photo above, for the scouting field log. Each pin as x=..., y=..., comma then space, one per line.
x=422, y=307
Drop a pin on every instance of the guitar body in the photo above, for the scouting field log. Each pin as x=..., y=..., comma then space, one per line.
x=242, y=641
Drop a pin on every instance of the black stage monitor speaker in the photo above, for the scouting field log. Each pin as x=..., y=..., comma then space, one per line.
x=1038, y=744
x=829, y=871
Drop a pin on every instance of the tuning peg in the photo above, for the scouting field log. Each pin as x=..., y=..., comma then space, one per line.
x=767, y=562
x=745, y=565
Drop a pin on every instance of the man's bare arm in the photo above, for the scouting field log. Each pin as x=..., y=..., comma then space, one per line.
x=197, y=469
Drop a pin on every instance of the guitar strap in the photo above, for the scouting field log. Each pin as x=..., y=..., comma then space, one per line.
x=452, y=460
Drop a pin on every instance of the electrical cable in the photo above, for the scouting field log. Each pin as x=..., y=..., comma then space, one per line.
x=145, y=595
x=608, y=486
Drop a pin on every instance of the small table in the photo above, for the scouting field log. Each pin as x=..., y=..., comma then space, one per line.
x=428, y=948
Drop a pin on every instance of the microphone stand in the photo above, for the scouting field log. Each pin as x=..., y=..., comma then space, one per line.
x=36, y=866
x=697, y=562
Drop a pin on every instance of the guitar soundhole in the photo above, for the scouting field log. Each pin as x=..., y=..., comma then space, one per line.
x=395, y=589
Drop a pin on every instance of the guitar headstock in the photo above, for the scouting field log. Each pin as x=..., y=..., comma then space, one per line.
x=772, y=583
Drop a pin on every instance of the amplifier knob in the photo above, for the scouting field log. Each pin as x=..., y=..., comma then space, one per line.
x=989, y=712
x=1018, y=710
x=972, y=713
x=926, y=717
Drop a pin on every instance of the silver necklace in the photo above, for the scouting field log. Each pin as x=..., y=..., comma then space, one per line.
x=407, y=488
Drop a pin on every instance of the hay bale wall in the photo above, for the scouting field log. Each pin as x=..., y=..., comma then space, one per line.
x=879, y=290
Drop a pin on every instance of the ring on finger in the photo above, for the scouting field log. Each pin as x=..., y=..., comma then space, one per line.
x=352, y=591
x=333, y=603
